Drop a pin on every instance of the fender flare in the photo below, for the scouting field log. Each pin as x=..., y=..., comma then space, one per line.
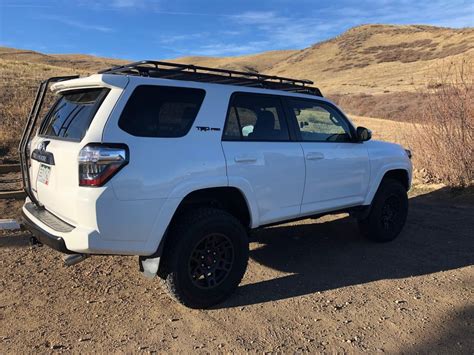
x=171, y=204
x=149, y=265
x=375, y=183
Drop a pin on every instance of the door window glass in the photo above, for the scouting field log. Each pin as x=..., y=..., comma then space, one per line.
x=254, y=117
x=319, y=123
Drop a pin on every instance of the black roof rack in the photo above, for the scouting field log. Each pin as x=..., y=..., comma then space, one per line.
x=177, y=71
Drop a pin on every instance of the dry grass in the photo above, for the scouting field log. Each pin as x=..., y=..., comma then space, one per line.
x=373, y=70
x=397, y=106
x=386, y=130
x=260, y=63
x=446, y=137
x=19, y=81
x=372, y=59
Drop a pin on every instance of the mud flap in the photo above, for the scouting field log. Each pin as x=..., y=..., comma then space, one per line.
x=149, y=266
x=362, y=212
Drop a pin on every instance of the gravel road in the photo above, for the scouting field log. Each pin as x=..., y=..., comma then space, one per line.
x=315, y=286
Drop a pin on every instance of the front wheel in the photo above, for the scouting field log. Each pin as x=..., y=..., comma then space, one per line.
x=205, y=257
x=388, y=212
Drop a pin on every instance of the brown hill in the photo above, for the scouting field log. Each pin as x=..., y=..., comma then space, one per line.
x=70, y=61
x=369, y=59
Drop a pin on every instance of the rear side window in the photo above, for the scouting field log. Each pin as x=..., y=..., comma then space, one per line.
x=161, y=111
x=72, y=114
x=254, y=117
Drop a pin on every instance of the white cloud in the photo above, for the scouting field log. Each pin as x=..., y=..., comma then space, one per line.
x=119, y=5
x=220, y=49
x=169, y=39
x=283, y=31
x=129, y=3
x=257, y=31
x=77, y=24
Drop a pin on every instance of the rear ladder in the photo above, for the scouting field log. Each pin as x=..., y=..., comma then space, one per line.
x=28, y=130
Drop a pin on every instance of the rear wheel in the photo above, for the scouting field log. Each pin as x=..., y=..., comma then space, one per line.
x=388, y=212
x=205, y=257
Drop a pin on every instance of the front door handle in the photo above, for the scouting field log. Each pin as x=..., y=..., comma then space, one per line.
x=245, y=159
x=314, y=156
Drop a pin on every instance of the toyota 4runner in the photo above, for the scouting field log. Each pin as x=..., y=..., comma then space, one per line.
x=178, y=163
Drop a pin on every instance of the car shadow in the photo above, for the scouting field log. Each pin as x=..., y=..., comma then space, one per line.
x=328, y=255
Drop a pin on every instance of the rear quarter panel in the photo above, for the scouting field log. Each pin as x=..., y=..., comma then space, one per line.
x=165, y=170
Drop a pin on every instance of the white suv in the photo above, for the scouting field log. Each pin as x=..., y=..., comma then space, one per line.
x=177, y=163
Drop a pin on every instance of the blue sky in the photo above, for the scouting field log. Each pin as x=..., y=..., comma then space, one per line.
x=157, y=29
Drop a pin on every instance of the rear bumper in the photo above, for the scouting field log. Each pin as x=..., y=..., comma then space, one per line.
x=114, y=231
x=45, y=237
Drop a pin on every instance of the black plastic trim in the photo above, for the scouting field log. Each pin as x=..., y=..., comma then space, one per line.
x=43, y=156
x=353, y=211
x=53, y=241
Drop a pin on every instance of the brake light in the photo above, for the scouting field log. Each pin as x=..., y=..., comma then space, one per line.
x=98, y=163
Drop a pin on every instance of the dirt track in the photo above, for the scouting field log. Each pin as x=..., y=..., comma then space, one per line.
x=310, y=286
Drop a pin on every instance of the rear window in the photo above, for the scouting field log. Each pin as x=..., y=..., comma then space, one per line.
x=72, y=114
x=161, y=111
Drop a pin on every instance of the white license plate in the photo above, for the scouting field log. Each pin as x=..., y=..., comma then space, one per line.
x=43, y=174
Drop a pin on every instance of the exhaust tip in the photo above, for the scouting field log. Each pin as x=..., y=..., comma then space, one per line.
x=73, y=259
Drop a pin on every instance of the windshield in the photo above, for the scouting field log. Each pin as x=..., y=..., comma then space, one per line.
x=72, y=113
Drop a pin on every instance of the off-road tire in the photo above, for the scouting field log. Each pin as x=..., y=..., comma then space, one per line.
x=186, y=233
x=388, y=212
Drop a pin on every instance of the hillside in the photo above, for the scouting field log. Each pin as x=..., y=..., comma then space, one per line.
x=74, y=61
x=368, y=59
x=261, y=62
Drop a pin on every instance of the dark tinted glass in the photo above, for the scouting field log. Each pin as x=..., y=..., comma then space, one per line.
x=73, y=113
x=161, y=111
x=254, y=117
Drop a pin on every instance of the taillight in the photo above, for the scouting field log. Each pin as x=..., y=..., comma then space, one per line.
x=99, y=162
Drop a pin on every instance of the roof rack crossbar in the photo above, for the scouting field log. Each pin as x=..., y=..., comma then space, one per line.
x=179, y=71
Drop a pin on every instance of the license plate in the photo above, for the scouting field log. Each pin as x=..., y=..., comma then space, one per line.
x=43, y=174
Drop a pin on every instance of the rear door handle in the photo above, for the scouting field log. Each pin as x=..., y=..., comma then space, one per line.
x=314, y=156
x=245, y=159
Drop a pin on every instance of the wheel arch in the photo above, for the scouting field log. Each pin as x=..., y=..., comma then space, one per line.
x=229, y=198
x=399, y=173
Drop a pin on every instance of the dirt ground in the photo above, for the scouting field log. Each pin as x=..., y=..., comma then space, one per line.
x=315, y=286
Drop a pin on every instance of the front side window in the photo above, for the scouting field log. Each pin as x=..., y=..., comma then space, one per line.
x=72, y=114
x=161, y=111
x=254, y=117
x=318, y=122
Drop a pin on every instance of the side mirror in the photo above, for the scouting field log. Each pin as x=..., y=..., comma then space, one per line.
x=363, y=134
